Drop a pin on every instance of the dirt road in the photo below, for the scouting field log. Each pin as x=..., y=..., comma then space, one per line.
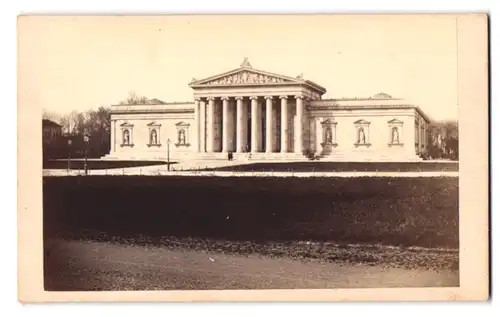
x=76, y=265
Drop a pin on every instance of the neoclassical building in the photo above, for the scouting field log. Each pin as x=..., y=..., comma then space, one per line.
x=260, y=115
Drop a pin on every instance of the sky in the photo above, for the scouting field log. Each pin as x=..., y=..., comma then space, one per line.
x=80, y=63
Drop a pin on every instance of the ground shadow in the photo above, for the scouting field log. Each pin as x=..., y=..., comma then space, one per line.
x=100, y=164
x=341, y=167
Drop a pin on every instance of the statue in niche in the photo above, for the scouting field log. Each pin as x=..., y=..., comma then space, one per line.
x=126, y=137
x=395, y=135
x=361, y=136
x=328, y=135
x=182, y=136
x=154, y=138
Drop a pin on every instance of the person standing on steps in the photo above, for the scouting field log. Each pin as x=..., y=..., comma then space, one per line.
x=249, y=153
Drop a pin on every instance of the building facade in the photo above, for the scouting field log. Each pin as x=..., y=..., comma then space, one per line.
x=261, y=115
x=52, y=131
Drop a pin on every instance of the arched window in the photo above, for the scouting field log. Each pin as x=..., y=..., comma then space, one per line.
x=126, y=137
x=395, y=135
x=154, y=134
x=153, y=138
x=181, y=136
x=361, y=136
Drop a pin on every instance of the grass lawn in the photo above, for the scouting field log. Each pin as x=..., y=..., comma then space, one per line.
x=319, y=166
x=99, y=164
x=394, y=211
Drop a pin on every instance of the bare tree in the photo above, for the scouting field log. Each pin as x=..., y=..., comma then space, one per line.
x=73, y=122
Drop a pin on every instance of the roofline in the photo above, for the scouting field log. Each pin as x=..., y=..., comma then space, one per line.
x=154, y=104
x=359, y=107
x=360, y=99
x=50, y=122
x=139, y=111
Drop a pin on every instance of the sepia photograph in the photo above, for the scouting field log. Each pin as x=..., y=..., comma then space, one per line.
x=249, y=152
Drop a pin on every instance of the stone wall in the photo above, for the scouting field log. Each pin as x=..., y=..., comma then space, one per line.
x=377, y=127
x=167, y=126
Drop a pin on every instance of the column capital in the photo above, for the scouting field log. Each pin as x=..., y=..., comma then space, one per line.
x=269, y=97
x=283, y=97
x=226, y=98
x=238, y=98
x=253, y=97
x=197, y=98
x=210, y=98
x=300, y=97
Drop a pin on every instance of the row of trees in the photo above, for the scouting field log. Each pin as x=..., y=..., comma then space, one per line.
x=94, y=123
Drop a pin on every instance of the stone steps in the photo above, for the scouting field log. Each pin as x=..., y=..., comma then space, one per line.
x=260, y=156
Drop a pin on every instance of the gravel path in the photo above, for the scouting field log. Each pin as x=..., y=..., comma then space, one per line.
x=84, y=265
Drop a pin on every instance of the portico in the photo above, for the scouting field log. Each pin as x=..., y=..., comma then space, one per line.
x=247, y=110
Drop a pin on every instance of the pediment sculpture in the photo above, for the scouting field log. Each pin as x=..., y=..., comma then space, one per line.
x=245, y=78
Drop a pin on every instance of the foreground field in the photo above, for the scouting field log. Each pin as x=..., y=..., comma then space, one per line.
x=404, y=211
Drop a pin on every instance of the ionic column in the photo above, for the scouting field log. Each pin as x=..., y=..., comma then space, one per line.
x=269, y=124
x=299, y=132
x=113, y=135
x=422, y=138
x=417, y=136
x=284, y=124
x=255, y=124
x=202, y=125
x=210, y=124
x=225, y=124
x=197, y=123
x=319, y=136
x=239, y=125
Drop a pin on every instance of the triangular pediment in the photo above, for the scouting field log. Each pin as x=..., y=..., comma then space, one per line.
x=328, y=122
x=245, y=76
x=395, y=121
x=361, y=121
x=126, y=124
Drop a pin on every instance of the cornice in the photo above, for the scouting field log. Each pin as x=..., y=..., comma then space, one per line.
x=149, y=111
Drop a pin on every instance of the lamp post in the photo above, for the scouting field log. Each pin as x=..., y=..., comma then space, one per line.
x=69, y=154
x=168, y=155
x=86, y=140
